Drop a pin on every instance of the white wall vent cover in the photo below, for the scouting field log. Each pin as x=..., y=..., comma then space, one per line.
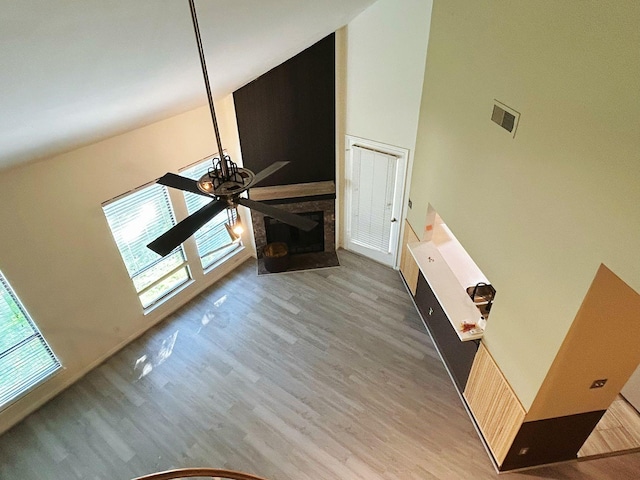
x=505, y=116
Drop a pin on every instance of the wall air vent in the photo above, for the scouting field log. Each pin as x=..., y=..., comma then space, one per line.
x=506, y=117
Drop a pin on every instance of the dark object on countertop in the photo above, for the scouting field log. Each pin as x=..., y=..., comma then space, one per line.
x=482, y=294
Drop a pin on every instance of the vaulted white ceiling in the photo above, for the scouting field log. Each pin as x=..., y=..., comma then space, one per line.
x=77, y=71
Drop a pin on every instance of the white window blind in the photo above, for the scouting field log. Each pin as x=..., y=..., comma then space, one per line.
x=212, y=239
x=374, y=173
x=137, y=219
x=25, y=357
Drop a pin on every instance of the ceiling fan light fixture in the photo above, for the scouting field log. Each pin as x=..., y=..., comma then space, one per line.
x=234, y=226
x=235, y=238
x=238, y=228
x=205, y=184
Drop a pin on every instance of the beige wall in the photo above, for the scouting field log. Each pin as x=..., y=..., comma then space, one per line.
x=386, y=52
x=385, y=49
x=58, y=252
x=541, y=211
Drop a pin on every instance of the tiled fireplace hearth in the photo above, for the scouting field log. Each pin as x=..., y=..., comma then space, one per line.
x=315, y=249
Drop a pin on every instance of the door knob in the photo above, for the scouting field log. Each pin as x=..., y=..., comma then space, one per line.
x=393, y=220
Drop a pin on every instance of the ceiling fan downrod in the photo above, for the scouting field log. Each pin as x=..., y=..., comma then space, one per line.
x=203, y=64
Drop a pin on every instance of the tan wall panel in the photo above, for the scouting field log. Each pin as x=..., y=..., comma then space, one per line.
x=602, y=343
x=495, y=407
x=408, y=266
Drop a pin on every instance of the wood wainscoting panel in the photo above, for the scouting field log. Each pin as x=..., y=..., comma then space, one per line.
x=496, y=409
x=408, y=266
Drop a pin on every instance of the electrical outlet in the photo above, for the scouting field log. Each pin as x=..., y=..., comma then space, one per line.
x=598, y=383
x=523, y=451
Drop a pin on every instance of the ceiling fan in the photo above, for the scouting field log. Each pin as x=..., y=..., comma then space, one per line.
x=224, y=183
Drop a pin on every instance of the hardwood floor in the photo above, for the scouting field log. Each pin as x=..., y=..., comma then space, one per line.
x=324, y=374
x=618, y=431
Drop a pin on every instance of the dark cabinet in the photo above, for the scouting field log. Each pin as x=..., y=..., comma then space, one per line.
x=457, y=355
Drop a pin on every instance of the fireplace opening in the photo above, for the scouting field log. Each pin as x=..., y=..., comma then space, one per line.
x=298, y=241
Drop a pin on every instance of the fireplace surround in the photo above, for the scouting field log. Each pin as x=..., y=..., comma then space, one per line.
x=315, y=249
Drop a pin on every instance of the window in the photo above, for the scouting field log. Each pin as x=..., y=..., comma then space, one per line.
x=136, y=219
x=25, y=357
x=212, y=239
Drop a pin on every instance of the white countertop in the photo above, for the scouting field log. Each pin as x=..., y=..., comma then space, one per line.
x=459, y=261
x=449, y=272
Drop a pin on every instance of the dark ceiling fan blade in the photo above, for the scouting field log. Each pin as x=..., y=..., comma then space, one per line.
x=181, y=183
x=166, y=242
x=289, y=218
x=261, y=175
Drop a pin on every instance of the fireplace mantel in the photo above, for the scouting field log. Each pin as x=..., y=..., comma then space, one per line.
x=298, y=190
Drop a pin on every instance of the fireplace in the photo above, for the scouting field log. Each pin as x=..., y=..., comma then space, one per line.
x=298, y=241
x=313, y=249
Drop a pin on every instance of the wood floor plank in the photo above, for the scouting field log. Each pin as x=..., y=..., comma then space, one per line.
x=323, y=374
x=617, y=431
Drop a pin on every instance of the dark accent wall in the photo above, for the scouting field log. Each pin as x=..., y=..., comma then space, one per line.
x=289, y=114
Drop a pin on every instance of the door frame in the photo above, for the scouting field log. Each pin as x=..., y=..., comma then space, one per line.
x=403, y=156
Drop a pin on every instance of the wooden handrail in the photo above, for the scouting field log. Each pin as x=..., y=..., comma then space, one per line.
x=199, y=472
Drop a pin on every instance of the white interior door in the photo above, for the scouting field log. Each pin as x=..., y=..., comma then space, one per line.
x=374, y=198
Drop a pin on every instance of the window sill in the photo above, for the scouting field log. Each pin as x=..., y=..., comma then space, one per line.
x=31, y=388
x=223, y=260
x=162, y=302
x=168, y=296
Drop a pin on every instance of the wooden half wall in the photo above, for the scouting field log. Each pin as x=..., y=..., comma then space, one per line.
x=595, y=360
x=603, y=343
